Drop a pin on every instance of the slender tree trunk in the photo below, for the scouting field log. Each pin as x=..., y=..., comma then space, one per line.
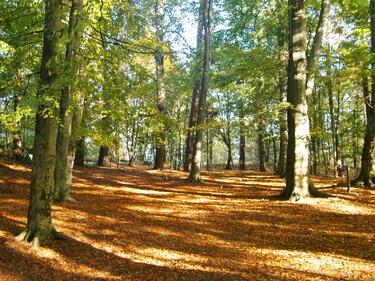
x=317, y=46
x=283, y=57
x=242, y=163
x=103, y=156
x=261, y=146
x=160, y=157
x=39, y=225
x=64, y=163
x=195, y=95
x=79, y=159
x=197, y=149
x=17, y=153
x=335, y=156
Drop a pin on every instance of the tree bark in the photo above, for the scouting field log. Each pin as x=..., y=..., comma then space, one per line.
x=261, y=146
x=197, y=149
x=367, y=173
x=64, y=161
x=79, y=159
x=283, y=57
x=242, y=160
x=317, y=46
x=17, y=153
x=332, y=114
x=160, y=157
x=195, y=94
x=39, y=225
x=103, y=156
x=298, y=185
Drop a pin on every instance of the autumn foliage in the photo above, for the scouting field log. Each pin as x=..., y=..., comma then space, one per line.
x=138, y=224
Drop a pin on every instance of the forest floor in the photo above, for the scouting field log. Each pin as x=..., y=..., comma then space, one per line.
x=140, y=224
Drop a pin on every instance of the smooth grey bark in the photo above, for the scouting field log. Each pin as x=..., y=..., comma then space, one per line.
x=298, y=183
x=194, y=175
x=39, y=225
x=160, y=155
x=195, y=94
x=317, y=46
x=64, y=161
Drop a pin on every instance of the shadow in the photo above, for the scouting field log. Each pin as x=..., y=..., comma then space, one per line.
x=133, y=225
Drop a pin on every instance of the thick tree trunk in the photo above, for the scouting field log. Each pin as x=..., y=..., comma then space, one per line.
x=195, y=95
x=160, y=157
x=64, y=161
x=297, y=172
x=103, y=156
x=367, y=173
x=197, y=149
x=39, y=222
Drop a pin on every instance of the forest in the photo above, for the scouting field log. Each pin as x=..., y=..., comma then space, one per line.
x=187, y=140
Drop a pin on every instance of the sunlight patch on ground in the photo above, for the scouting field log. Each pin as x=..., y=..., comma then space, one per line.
x=320, y=263
x=59, y=262
x=344, y=207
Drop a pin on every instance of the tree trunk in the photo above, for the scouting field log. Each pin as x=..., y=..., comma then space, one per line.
x=283, y=57
x=39, y=222
x=103, y=156
x=242, y=163
x=79, y=159
x=317, y=46
x=197, y=149
x=367, y=173
x=17, y=153
x=335, y=155
x=261, y=147
x=64, y=160
x=297, y=172
x=195, y=95
x=160, y=157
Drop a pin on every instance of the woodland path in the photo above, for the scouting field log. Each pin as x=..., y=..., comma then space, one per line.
x=139, y=224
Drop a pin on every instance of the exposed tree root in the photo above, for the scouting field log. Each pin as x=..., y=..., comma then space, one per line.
x=37, y=237
x=194, y=179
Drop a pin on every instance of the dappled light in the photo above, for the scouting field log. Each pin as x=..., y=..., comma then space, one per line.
x=137, y=224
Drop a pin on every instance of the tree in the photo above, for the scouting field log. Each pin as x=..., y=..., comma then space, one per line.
x=39, y=225
x=64, y=155
x=367, y=172
x=298, y=184
x=160, y=156
x=195, y=94
x=194, y=175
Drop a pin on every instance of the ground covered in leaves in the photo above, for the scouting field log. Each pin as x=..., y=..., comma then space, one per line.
x=139, y=224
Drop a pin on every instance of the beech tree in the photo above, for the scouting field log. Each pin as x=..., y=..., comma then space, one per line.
x=367, y=172
x=194, y=175
x=39, y=225
x=65, y=146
